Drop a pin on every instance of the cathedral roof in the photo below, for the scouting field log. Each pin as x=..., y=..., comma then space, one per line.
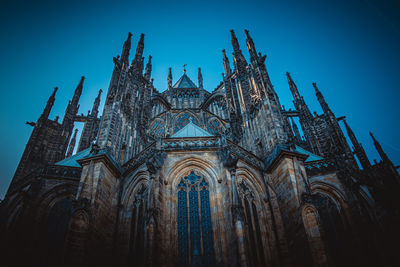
x=191, y=130
x=184, y=82
x=72, y=161
x=311, y=156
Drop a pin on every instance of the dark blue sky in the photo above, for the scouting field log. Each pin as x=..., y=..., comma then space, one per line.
x=349, y=48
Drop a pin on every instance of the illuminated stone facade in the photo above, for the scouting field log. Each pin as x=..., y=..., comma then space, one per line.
x=189, y=177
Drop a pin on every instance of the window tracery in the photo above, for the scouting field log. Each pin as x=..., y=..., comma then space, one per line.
x=183, y=120
x=195, y=234
x=256, y=248
x=215, y=127
x=157, y=128
x=136, y=249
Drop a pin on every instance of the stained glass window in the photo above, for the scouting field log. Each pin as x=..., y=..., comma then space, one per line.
x=183, y=120
x=195, y=235
x=215, y=127
x=157, y=128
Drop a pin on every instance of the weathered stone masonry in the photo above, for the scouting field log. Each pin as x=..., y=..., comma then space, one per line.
x=190, y=177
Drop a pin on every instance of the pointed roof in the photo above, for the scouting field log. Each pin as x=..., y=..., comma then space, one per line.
x=184, y=82
x=311, y=156
x=72, y=161
x=191, y=130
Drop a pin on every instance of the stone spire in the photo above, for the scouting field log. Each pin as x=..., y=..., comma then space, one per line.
x=378, y=147
x=78, y=92
x=72, y=144
x=126, y=49
x=169, y=78
x=200, y=79
x=73, y=105
x=296, y=131
x=251, y=47
x=49, y=105
x=322, y=101
x=293, y=87
x=137, y=62
x=147, y=73
x=96, y=104
x=227, y=66
x=235, y=43
x=358, y=149
x=140, y=47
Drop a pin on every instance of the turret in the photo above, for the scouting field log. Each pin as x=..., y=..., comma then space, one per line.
x=147, y=72
x=251, y=47
x=169, y=78
x=358, y=149
x=200, y=79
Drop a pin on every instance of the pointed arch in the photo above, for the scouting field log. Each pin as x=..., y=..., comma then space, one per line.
x=311, y=221
x=209, y=174
x=182, y=118
x=252, y=195
x=76, y=239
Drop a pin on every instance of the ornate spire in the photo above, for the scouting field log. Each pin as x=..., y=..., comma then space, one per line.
x=378, y=147
x=200, y=79
x=296, y=131
x=227, y=66
x=137, y=63
x=147, y=72
x=126, y=49
x=235, y=43
x=322, y=101
x=78, y=92
x=72, y=144
x=251, y=47
x=49, y=105
x=96, y=104
x=169, y=78
x=72, y=108
x=140, y=47
x=358, y=149
x=293, y=87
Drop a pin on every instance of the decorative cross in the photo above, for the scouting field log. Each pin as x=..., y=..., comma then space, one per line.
x=184, y=68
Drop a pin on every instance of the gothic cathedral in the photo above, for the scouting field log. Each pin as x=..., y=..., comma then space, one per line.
x=190, y=177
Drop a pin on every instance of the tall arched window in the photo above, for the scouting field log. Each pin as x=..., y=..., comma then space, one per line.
x=136, y=243
x=254, y=238
x=56, y=230
x=195, y=234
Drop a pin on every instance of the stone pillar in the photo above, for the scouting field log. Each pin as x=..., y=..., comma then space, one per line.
x=150, y=221
x=99, y=188
x=238, y=221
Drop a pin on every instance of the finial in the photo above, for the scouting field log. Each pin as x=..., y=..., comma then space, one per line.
x=184, y=68
x=315, y=87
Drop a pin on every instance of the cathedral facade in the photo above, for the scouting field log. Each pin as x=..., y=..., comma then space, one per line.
x=189, y=177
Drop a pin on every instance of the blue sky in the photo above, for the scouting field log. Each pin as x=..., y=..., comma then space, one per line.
x=349, y=48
